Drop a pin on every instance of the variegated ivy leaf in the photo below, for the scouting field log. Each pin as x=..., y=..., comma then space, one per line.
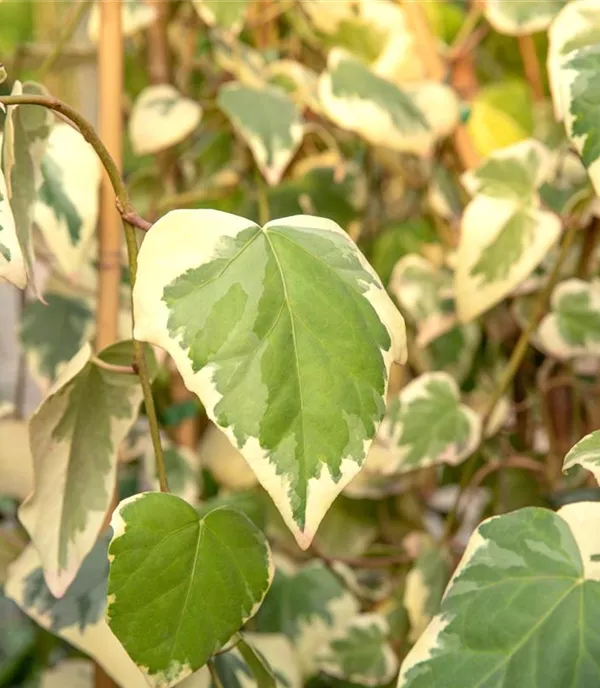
x=228, y=16
x=427, y=425
x=361, y=654
x=298, y=80
x=12, y=265
x=220, y=570
x=585, y=453
x=271, y=314
x=75, y=435
x=161, y=117
x=518, y=18
x=270, y=123
x=528, y=581
x=66, y=210
x=310, y=606
x=136, y=15
x=78, y=616
x=408, y=120
x=572, y=327
x=52, y=333
x=573, y=62
x=240, y=59
x=26, y=130
x=505, y=234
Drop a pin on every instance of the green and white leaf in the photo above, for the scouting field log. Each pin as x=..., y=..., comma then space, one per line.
x=300, y=82
x=240, y=59
x=586, y=453
x=136, y=15
x=505, y=234
x=518, y=18
x=12, y=265
x=66, y=210
x=219, y=574
x=426, y=424
x=161, y=117
x=408, y=120
x=360, y=653
x=268, y=121
x=52, y=333
x=572, y=327
x=271, y=315
x=228, y=16
x=573, y=62
x=225, y=462
x=528, y=581
x=74, y=436
x=77, y=617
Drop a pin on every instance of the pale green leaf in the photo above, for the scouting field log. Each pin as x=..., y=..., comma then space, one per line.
x=66, y=210
x=585, y=453
x=521, y=17
x=218, y=574
x=12, y=266
x=572, y=327
x=361, y=653
x=271, y=315
x=75, y=435
x=520, y=609
x=427, y=425
x=161, y=117
x=270, y=123
x=228, y=15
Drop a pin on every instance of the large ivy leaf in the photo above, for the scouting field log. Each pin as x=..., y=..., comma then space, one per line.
x=505, y=234
x=75, y=435
x=521, y=607
x=357, y=99
x=310, y=606
x=585, y=453
x=572, y=327
x=52, y=333
x=270, y=123
x=66, y=210
x=172, y=618
x=271, y=315
x=161, y=117
x=361, y=653
x=228, y=16
x=573, y=63
x=77, y=617
x=26, y=130
x=12, y=265
x=427, y=425
x=518, y=18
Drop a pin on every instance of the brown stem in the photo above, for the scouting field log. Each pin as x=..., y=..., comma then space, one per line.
x=531, y=66
x=523, y=462
x=588, y=247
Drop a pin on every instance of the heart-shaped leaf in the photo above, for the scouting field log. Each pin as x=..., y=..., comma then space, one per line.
x=179, y=585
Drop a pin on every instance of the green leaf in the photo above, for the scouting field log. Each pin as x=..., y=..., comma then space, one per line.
x=361, y=654
x=268, y=121
x=271, y=315
x=520, y=609
x=12, y=266
x=585, y=453
x=228, y=15
x=52, y=333
x=518, y=18
x=427, y=425
x=261, y=671
x=66, y=210
x=201, y=578
x=74, y=436
x=572, y=327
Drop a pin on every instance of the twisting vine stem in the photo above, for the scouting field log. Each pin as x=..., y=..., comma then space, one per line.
x=127, y=213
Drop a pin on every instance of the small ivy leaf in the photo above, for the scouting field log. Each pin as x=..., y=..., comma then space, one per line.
x=518, y=18
x=261, y=671
x=528, y=581
x=300, y=82
x=241, y=60
x=271, y=314
x=74, y=436
x=12, y=265
x=66, y=210
x=572, y=328
x=136, y=15
x=270, y=123
x=161, y=117
x=427, y=425
x=360, y=653
x=179, y=585
x=228, y=16
x=585, y=453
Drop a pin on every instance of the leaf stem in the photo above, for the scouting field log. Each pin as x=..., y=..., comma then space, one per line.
x=216, y=681
x=124, y=206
